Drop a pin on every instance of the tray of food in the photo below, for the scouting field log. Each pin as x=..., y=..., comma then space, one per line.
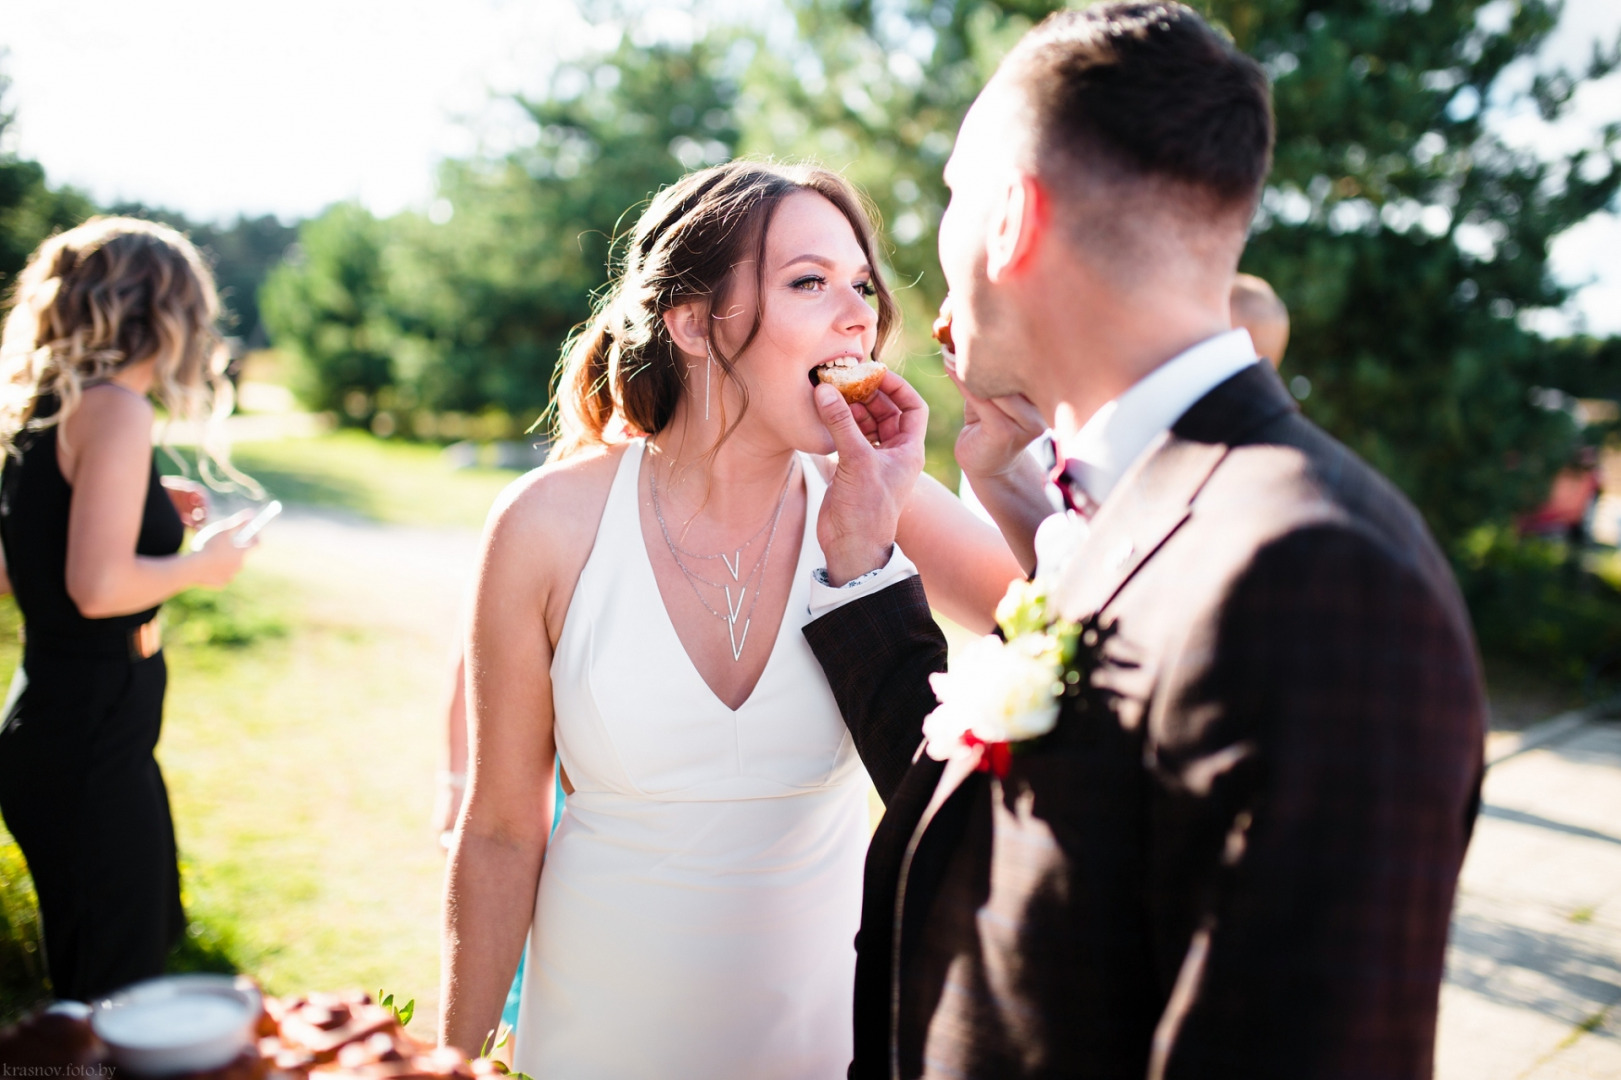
x=220, y=1027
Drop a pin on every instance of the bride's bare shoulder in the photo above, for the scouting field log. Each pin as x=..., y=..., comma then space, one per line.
x=553, y=512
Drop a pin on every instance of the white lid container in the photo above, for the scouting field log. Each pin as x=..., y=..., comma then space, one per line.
x=178, y=1023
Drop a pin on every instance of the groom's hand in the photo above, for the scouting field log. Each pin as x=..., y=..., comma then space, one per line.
x=1010, y=483
x=880, y=455
x=994, y=434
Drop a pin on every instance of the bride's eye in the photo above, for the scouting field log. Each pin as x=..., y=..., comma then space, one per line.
x=867, y=289
x=810, y=283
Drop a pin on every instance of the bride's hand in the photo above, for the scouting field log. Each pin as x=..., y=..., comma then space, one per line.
x=880, y=455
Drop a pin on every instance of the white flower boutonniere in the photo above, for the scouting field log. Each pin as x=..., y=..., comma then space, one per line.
x=1007, y=689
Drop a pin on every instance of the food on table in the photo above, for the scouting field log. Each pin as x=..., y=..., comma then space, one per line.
x=311, y=1037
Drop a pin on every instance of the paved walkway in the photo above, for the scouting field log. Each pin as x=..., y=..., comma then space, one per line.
x=1534, y=971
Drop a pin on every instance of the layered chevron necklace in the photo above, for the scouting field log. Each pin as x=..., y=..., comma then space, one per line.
x=735, y=585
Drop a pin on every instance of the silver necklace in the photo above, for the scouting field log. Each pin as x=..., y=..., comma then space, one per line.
x=754, y=579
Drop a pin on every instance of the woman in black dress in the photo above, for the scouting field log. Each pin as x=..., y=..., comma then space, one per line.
x=106, y=317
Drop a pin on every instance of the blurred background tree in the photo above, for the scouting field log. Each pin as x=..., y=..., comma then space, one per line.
x=475, y=298
x=325, y=304
x=242, y=254
x=1409, y=241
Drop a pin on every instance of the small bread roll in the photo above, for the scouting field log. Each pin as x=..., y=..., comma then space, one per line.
x=857, y=381
x=942, y=324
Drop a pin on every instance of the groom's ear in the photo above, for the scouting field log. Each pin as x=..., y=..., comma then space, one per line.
x=688, y=326
x=1017, y=226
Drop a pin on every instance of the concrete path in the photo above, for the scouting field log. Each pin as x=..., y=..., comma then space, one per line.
x=1534, y=971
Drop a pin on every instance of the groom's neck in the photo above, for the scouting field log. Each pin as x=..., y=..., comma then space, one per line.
x=1101, y=339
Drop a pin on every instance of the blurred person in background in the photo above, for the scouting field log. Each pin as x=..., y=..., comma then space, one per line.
x=107, y=318
x=1567, y=513
x=1256, y=307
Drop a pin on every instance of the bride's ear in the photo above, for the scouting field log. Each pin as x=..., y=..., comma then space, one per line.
x=688, y=326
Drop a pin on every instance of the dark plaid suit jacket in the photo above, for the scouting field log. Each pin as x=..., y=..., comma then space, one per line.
x=1235, y=857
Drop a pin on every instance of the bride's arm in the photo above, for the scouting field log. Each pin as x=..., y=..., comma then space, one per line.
x=965, y=563
x=506, y=817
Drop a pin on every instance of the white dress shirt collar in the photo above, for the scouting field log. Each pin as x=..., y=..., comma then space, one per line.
x=1108, y=443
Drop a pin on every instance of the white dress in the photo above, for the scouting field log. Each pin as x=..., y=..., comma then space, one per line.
x=699, y=901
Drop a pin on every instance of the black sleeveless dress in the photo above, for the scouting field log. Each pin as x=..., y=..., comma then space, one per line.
x=79, y=787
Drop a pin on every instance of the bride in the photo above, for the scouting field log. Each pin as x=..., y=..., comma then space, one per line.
x=638, y=613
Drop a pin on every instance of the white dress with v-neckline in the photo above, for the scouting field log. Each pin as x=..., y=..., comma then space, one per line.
x=699, y=901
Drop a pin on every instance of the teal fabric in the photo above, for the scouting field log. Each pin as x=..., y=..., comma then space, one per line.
x=509, y=1014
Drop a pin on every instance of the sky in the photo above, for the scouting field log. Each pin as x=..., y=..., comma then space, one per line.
x=220, y=107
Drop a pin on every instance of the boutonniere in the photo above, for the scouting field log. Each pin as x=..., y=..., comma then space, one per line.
x=1005, y=690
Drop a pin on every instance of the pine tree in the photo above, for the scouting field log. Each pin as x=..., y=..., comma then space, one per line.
x=1409, y=242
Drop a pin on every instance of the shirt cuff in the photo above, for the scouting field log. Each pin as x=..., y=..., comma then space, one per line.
x=825, y=598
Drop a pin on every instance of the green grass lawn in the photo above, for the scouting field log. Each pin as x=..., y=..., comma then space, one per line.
x=380, y=480
x=303, y=724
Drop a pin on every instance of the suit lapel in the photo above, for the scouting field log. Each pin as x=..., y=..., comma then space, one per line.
x=1150, y=503
x=1124, y=534
x=1156, y=495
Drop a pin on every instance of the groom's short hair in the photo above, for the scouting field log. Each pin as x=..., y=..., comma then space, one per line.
x=1127, y=92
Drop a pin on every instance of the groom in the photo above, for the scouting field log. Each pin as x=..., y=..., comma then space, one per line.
x=1234, y=855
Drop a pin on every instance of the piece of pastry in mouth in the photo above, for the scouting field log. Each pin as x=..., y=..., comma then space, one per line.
x=856, y=378
x=942, y=324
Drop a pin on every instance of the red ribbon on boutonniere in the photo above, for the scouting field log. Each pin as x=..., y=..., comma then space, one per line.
x=997, y=758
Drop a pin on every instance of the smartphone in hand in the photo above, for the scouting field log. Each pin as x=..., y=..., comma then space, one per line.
x=244, y=536
x=267, y=513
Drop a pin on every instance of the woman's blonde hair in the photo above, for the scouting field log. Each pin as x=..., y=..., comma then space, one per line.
x=621, y=371
x=112, y=292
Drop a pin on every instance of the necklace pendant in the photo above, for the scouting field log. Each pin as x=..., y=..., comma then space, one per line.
x=733, y=610
x=734, y=564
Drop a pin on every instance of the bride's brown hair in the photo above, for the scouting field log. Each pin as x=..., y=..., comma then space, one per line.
x=622, y=365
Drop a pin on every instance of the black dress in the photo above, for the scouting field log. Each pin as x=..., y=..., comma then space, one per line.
x=79, y=787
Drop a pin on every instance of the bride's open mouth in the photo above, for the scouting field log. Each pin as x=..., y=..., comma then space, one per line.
x=855, y=377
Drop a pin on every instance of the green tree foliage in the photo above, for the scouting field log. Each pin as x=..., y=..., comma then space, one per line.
x=530, y=235
x=468, y=306
x=241, y=253
x=326, y=304
x=1408, y=240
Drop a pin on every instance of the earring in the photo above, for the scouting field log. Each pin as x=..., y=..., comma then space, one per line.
x=709, y=367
